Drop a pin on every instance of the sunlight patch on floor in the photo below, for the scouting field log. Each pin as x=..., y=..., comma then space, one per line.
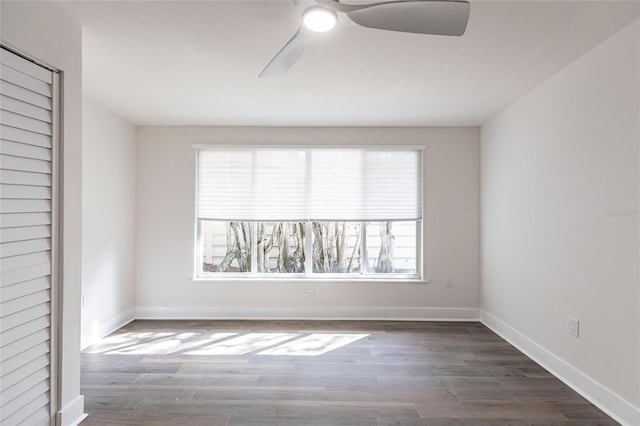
x=117, y=341
x=244, y=344
x=169, y=345
x=219, y=344
x=314, y=344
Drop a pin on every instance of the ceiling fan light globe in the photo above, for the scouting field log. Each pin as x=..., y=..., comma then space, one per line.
x=319, y=19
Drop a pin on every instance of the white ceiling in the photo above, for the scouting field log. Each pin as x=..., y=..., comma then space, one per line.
x=197, y=62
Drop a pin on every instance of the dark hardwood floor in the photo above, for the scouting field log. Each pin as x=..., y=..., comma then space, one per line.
x=223, y=373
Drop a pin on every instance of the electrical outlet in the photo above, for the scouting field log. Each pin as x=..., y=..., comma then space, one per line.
x=448, y=282
x=574, y=327
x=309, y=292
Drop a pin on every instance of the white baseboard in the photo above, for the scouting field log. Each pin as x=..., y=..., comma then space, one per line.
x=311, y=313
x=603, y=398
x=72, y=414
x=109, y=326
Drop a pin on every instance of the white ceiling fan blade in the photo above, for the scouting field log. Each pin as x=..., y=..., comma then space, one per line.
x=436, y=17
x=288, y=55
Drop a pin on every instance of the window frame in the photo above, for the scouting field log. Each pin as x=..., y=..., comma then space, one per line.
x=308, y=275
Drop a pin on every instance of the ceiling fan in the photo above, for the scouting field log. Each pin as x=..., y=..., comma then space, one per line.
x=435, y=17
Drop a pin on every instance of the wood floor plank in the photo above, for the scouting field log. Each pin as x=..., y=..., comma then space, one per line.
x=386, y=394
x=216, y=408
x=99, y=392
x=341, y=410
x=550, y=396
x=315, y=381
x=580, y=411
x=108, y=419
x=197, y=379
x=226, y=373
x=303, y=420
x=402, y=421
x=111, y=405
x=349, y=369
x=262, y=393
x=239, y=368
x=609, y=422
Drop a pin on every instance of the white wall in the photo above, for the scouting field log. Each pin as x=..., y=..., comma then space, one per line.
x=42, y=31
x=560, y=181
x=165, y=231
x=108, y=221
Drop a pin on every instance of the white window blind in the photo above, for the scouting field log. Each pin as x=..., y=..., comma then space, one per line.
x=260, y=184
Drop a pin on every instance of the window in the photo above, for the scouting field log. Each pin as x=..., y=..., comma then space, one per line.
x=314, y=212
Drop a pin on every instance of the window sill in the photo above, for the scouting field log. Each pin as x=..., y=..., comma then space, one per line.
x=314, y=280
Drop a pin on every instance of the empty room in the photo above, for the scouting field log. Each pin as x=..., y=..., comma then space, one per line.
x=320, y=212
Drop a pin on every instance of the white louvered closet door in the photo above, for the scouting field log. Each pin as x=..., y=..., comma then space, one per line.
x=28, y=184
